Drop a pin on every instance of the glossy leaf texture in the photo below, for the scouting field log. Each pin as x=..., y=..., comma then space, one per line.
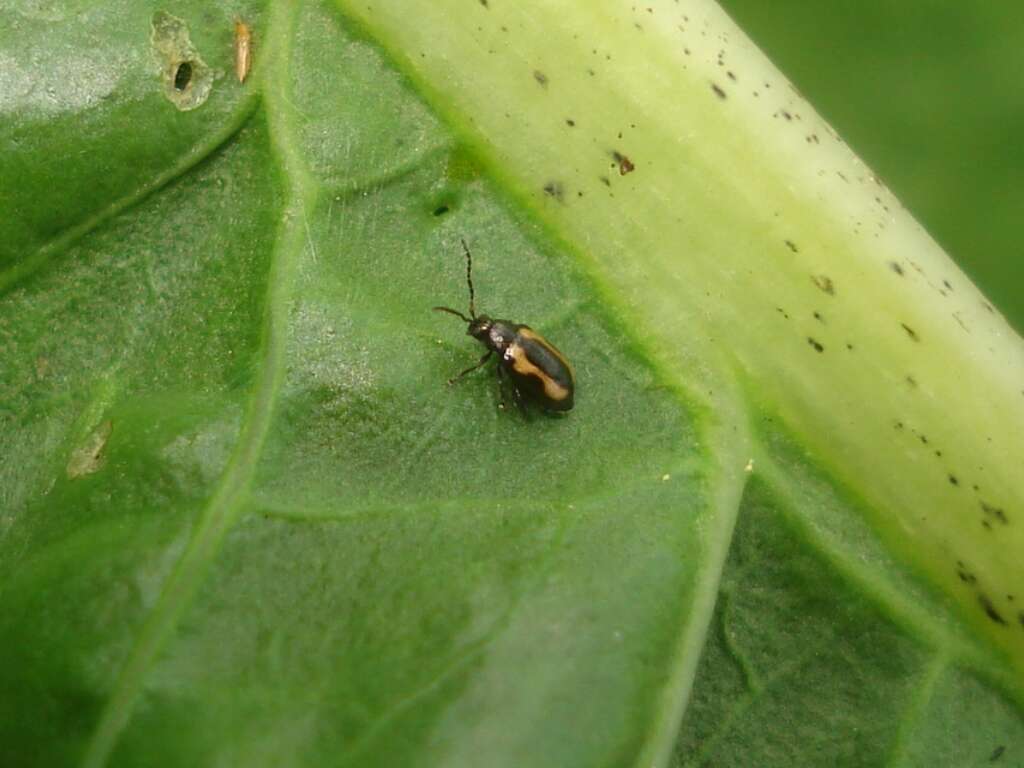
x=244, y=521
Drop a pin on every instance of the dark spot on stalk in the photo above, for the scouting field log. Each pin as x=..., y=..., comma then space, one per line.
x=555, y=189
x=624, y=163
x=965, y=575
x=995, y=512
x=824, y=282
x=990, y=610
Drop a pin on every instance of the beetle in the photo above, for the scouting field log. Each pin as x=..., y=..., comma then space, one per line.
x=536, y=369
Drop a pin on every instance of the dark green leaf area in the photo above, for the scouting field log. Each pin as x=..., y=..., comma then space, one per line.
x=127, y=367
x=803, y=668
x=85, y=125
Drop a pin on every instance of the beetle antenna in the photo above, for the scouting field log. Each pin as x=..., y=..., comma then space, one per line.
x=469, y=278
x=451, y=311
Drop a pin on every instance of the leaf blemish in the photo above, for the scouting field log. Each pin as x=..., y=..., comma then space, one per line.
x=88, y=457
x=186, y=78
x=895, y=267
x=541, y=78
x=818, y=346
x=792, y=246
x=910, y=332
x=718, y=90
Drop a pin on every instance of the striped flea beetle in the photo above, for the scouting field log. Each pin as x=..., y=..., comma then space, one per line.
x=536, y=370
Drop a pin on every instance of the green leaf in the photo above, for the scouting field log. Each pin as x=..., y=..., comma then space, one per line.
x=245, y=521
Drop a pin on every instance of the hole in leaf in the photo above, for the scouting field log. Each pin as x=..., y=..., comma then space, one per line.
x=183, y=76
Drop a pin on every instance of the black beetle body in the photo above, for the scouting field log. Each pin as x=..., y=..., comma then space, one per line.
x=536, y=369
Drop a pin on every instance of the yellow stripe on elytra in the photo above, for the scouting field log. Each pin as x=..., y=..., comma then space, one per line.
x=521, y=364
x=528, y=333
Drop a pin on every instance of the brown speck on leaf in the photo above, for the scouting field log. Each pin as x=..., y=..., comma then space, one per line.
x=996, y=753
x=910, y=332
x=912, y=382
x=895, y=267
x=605, y=180
x=953, y=480
x=624, y=163
x=570, y=122
x=541, y=78
x=818, y=346
x=718, y=90
x=792, y=246
x=824, y=283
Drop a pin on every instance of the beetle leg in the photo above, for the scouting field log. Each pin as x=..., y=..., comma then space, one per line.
x=502, y=378
x=472, y=368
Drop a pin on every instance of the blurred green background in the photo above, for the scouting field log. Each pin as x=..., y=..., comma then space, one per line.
x=930, y=93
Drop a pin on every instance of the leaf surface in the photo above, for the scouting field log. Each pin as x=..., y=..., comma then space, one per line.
x=244, y=519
